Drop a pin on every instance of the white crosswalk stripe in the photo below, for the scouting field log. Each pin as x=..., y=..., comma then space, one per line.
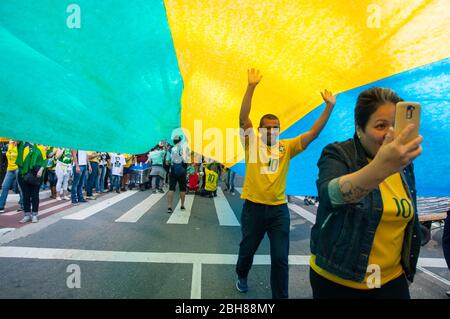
x=182, y=216
x=303, y=213
x=297, y=209
x=94, y=209
x=40, y=204
x=135, y=213
x=224, y=211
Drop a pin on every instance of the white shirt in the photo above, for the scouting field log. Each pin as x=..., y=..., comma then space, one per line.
x=117, y=163
x=82, y=158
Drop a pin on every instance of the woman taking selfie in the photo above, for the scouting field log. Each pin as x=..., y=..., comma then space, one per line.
x=366, y=239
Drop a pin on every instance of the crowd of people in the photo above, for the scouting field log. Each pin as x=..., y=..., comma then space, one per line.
x=80, y=176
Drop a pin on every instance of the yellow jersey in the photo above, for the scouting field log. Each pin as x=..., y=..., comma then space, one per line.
x=94, y=159
x=211, y=180
x=266, y=168
x=387, y=245
x=128, y=159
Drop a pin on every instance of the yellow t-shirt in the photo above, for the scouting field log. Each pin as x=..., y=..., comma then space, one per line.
x=128, y=159
x=11, y=155
x=387, y=246
x=211, y=180
x=266, y=169
x=95, y=159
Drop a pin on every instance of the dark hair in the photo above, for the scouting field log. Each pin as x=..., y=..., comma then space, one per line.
x=268, y=117
x=369, y=101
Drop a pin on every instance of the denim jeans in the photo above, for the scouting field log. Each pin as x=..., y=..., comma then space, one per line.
x=52, y=179
x=116, y=181
x=257, y=220
x=92, y=179
x=8, y=182
x=77, y=183
x=230, y=180
x=101, y=181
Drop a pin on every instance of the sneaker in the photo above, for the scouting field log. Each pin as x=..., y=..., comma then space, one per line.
x=82, y=201
x=233, y=193
x=2, y=210
x=25, y=219
x=117, y=191
x=182, y=208
x=169, y=210
x=241, y=285
x=64, y=198
x=75, y=203
x=34, y=219
x=161, y=191
x=58, y=197
x=448, y=293
x=20, y=209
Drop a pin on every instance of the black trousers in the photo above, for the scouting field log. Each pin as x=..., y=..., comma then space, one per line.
x=30, y=197
x=257, y=220
x=326, y=289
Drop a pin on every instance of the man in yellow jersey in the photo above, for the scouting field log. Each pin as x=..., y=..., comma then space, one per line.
x=265, y=209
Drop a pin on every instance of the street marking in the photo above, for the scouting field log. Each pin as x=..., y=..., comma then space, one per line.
x=15, y=197
x=303, y=213
x=4, y=231
x=41, y=212
x=149, y=257
x=432, y=262
x=224, y=211
x=239, y=189
x=63, y=204
x=94, y=209
x=40, y=204
x=134, y=214
x=179, y=216
x=196, y=285
x=432, y=274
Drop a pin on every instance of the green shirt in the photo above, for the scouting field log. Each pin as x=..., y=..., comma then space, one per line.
x=34, y=159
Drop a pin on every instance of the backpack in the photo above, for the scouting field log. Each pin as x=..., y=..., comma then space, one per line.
x=178, y=169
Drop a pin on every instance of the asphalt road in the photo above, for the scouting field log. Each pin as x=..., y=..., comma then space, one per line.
x=128, y=246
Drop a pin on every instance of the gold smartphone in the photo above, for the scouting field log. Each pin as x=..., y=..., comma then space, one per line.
x=407, y=113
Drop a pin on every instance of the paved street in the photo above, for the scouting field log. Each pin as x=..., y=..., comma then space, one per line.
x=127, y=246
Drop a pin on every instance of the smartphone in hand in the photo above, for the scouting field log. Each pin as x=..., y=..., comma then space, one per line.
x=407, y=113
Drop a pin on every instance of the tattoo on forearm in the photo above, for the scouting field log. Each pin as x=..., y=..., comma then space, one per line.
x=352, y=194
